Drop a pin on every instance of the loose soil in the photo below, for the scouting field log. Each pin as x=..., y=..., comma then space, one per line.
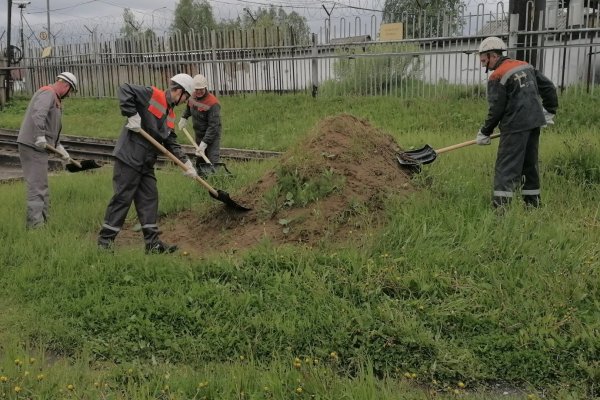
x=357, y=157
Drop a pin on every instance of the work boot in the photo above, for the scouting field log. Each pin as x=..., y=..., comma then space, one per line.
x=159, y=247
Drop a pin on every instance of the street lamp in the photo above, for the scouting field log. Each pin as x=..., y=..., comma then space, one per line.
x=22, y=5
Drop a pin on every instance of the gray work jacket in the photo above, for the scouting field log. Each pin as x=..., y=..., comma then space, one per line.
x=516, y=94
x=155, y=109
x=42, y=118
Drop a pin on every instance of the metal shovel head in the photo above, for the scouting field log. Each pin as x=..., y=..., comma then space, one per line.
x=85, y=165
x=424, y=155
x=224, y=197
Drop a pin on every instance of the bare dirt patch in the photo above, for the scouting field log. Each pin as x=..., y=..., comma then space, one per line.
x=330, y=187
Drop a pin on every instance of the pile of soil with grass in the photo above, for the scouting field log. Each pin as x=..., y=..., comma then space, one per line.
x=327, y=188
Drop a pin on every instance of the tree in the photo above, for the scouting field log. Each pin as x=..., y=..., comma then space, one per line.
x=425, y=18
x=132, y=28
x=230, y=24
x=277, y=17
x=193, y=15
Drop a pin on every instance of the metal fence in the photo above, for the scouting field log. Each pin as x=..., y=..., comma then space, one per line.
x=434, y=57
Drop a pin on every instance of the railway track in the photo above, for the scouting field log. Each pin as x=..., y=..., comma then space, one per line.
x=98, y=149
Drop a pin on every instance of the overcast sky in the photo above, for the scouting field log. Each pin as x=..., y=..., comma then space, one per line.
x=77, y=17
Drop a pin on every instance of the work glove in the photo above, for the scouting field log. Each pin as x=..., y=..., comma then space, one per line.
x=190, y=171
x=134, y=123
x=63, y=152
x=40, y=142
x=200, y=151
x=482, y=139
x=182, y=123
x=549, y=117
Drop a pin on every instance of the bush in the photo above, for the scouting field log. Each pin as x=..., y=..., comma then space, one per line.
x=368, y=73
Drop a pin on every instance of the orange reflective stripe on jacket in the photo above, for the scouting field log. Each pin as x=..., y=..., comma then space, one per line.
x=203, y=104
x=158, y=107
x=507, y=68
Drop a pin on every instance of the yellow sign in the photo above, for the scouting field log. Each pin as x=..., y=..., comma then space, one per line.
x=47, y=52
x=391, y=31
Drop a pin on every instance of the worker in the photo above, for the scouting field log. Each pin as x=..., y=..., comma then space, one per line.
x=41, y=126
x=205, y=110
x=150, y=109
x=521, y=100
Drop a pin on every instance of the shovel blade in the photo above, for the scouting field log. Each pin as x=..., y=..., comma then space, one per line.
x=424, y=155
x=224, y=197
x=85, y=165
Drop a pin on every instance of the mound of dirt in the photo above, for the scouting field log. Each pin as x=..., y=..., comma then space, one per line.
x=327, y=188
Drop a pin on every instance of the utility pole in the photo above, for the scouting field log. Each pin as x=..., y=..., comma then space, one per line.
x=8, y=53
x=48, y=16
x=8, y=32
x=529, y=20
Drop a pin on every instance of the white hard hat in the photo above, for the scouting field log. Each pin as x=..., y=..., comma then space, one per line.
x=200, y=82
x=69, y=78
x=185, y=81
x=492, y=43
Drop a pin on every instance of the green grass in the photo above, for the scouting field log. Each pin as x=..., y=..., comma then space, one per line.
x=446, y=292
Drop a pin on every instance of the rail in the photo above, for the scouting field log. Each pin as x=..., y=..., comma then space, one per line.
x=101, y=149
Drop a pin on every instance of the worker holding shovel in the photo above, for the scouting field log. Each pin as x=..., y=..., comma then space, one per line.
x=150, y=111
x=205, y=110
x=521, y=100
x=40, y=130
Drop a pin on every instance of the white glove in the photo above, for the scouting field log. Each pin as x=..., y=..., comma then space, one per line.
x=190, y=171
x=200, y=151
x=549, y=117
x=40, y=142
x=482, y=139
x=182, y=123
x=134, y=123
x=64, y=154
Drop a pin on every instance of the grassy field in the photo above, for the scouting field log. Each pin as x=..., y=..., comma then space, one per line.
x=447, y=300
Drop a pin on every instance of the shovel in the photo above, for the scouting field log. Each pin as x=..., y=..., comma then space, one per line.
x=206, y=160
x=414, y=158
x=214, y=193
x=74, y=165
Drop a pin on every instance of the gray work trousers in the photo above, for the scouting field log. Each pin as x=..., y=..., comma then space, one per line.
x=517, y=167
x=131, y=186
x=35, y=172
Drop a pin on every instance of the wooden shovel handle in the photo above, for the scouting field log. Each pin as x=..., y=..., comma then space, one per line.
x=176, y=160
x=464, y=144
x=193, y=142
x=55, y=150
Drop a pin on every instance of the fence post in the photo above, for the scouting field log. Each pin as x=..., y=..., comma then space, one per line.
x=213, y=64
x=314, y=66
x=513, y=35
